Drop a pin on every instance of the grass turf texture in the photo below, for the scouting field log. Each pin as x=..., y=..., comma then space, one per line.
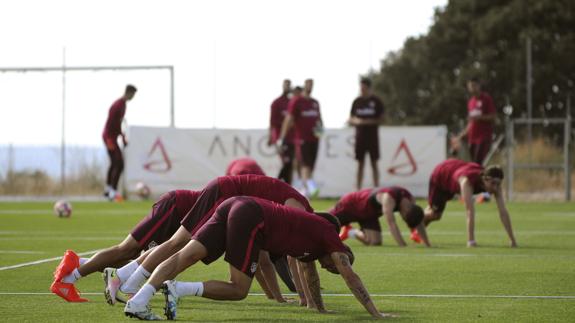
x=543, y=265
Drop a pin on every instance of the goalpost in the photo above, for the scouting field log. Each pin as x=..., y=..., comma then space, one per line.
x=65, y=69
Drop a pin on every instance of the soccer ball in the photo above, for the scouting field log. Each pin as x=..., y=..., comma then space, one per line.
x=143, y=190
x=63, y=209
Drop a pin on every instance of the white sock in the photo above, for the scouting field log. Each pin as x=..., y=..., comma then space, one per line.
x=125, y=272
x=83, y=261
x=135, y=281
x=352, y=233
x=73, y=277
x=144, y=295
x=185, y=288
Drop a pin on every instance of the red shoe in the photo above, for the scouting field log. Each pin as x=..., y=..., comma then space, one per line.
x=69, y=262
x=415, y=236
x=344, y=232
x=67, y=291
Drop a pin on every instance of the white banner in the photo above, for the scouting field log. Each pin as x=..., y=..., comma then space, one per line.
x=171, y=158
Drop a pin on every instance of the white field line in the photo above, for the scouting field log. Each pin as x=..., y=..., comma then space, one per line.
x=20, y=252
x=50, y=211
x=373, y=295
x=41, y=261
x=62, y=238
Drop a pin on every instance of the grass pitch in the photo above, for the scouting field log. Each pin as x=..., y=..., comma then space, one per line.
x=449, y=282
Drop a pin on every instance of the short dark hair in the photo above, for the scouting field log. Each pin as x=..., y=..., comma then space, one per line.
x=494, y=171
x=414, y=216
x=332, y=219
x=130, y=89
x=365, y=81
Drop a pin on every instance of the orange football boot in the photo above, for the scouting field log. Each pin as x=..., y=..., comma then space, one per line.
x=67, y=291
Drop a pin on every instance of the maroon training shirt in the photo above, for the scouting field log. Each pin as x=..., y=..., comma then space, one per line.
x=306, y=116
x=116, y=114
x=279, y=110
x=244, y=166
x=368, y=108
x=480, y=130
x=363, y=205
x=446, y=176
x=294, y=232
x=261, y=186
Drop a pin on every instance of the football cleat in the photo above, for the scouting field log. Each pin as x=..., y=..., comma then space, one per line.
x=172, y=298
x=143, y=312
x=67, y=291
x=344, y=232
x=69, y=262
x=112, y=282
x=415, y=236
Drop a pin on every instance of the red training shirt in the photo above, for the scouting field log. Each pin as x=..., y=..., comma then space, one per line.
x=480, y=130
x=113, y=127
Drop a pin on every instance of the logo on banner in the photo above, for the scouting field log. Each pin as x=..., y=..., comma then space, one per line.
x=158, y=160
x=402, y=168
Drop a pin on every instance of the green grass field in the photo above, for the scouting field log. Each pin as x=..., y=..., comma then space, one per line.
x=448, y=282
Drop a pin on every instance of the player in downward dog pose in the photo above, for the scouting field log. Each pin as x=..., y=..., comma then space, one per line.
x=217, y=191
x=366, y=206
x=245, y=166
x=154, y=229
x=455, y=176
x=241, y=227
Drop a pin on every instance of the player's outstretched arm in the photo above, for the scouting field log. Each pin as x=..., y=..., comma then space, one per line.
x=422, y=231
x=312, y=281
x=269, y=277
x=387, y=205
x=293, y=266
x=467, y=195
x=504, y=216
x=354, y=283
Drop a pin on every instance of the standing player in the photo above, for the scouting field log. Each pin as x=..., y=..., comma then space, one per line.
x=244, y=166
x=241, y=227
x=366, y=206
x=213, y=195
x=304, y=115
x=454, y=176
x=277, y=115
x=481, y=116
x=153, y=230
x=366, y=115
x=113, y=130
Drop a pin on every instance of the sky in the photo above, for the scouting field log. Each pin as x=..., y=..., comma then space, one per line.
x=229, y=59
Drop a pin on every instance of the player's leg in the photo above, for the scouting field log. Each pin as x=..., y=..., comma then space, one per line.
x=138, y=307
x=369, y=237
x=374, y=157
x=155, y=258
x=126, y=250
x=234, y=290
x=118, y=167
x=360, y=169
x=309, y=156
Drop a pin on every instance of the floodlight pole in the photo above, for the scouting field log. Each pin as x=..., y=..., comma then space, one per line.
x=529, y=83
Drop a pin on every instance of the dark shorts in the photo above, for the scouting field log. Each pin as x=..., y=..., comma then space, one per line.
x=364, y=146
x=234, y=229
x=205, y=206
x=437, y=198
x=478, y=151
x=306, y=153
x=159, y=225
x=347, y=218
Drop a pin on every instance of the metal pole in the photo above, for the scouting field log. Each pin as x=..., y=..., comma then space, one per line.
x=529, y=83
x=510, y=161
x=172, y=110
x=567, y=150
x=63, y=142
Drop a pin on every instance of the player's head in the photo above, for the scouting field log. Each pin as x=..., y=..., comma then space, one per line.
x=365, y=86
x=327, y=263
x=308, y=86
x=286, y=86
x=473, y=86
x=297, y=91
x=492, y=177
x=130, y=92
x=412, y=214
